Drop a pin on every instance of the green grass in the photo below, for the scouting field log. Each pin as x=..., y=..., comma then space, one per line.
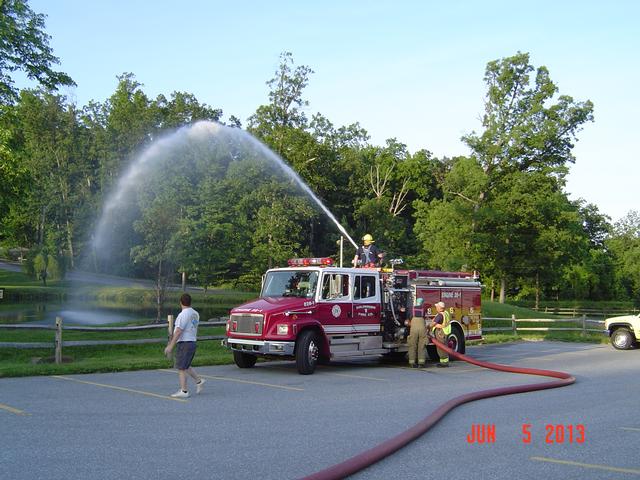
x=125, y=296
x=579, y=304
x=17, y=284
x=575, y=337
x=19, y=362
x=505, y=310
x=116, y=358
x=106, y=358
x=32, y=335
x=497, y=310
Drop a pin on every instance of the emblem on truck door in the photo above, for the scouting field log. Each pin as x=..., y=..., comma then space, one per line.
x=336, y=311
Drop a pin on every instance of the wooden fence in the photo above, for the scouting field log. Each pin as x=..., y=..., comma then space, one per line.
x=583, y=325
x=590, y=312
x=58, y=342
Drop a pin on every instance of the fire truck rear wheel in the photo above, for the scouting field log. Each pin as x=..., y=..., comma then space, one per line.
x=456, y=339
x=455, y=342
x=244, y=360
x=307, y=352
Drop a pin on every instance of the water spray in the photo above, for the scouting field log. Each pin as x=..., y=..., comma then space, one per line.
x=210, y=134
x=203, y=131
x=294, y=176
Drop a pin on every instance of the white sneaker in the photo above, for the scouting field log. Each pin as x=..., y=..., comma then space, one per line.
x=180, y=394
x=199, y=385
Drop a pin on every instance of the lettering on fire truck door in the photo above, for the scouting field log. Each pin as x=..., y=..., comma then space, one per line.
x=335, y=307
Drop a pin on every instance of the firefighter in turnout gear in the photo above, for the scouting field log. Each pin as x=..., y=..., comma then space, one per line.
x=417, y=339
x=368, y=255
x=441, y=329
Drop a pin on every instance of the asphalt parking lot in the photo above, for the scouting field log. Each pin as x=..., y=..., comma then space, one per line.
x=269, y=422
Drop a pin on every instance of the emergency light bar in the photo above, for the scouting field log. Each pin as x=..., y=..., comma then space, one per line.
x=309, y=262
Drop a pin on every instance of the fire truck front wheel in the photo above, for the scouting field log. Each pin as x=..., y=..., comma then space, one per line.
x=307, y=352
x=244, y=360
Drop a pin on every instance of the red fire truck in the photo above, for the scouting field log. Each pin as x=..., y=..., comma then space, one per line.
x=315, y=312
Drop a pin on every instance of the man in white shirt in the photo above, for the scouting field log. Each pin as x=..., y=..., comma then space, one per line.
x=185, y=332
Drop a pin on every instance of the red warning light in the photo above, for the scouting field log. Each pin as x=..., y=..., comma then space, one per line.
x=310, y=262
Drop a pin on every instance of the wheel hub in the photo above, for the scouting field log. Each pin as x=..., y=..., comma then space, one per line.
x=620, y=341
x=313, y=352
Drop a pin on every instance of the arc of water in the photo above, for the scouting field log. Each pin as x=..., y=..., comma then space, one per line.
x=200, y=130
x=294, y=176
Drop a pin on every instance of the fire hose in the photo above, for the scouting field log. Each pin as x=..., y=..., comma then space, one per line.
x=377, y=453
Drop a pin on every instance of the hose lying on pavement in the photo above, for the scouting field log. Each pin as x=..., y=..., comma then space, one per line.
x=377, y=453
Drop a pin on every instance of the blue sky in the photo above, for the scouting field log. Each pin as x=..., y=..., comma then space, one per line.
x=412, y=70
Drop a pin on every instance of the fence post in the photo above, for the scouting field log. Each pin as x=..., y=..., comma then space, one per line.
x=584, y=324
x=170, y=326
x=513, y=324
x=58, y=341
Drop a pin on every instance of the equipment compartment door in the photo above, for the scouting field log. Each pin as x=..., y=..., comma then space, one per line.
x=431, y=296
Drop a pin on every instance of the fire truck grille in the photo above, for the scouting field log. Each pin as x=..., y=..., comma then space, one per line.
x=249, y=324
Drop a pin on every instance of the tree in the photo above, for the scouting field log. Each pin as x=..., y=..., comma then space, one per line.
x=533, y=232
x=183, y=109
x=271, y=122
x=592, y=275
x=158, y=228
x=53, y=141
x=131, y=121
x=624, y=243
x=445, y=225
x=25, y=47
x=13, y=174
x=525, y=130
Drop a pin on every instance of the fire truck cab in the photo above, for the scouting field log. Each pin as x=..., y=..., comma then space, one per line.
x=315, y=312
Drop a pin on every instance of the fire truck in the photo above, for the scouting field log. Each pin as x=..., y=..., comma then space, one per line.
x=315, y=312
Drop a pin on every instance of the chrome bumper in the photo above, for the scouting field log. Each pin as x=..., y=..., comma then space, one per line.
x=266, y=347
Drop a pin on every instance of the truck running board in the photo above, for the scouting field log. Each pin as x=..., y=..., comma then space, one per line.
x=359, y=353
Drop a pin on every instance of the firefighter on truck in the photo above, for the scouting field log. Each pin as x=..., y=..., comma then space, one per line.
x=313, y=312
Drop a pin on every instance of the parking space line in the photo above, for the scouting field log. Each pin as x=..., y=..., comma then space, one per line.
x=325, y=370
x=630, y=429
x=13, y=410
x=123, y=389
x=464, y=370
x=586, y=465
x=238, y=380
x=432, y=368
x=357, y=376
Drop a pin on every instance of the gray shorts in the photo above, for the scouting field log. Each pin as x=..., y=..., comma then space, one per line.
x=185, y=351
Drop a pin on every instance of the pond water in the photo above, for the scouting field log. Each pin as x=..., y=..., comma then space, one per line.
x=86, y=313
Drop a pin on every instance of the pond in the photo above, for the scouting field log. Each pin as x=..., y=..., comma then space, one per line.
x=91, y=313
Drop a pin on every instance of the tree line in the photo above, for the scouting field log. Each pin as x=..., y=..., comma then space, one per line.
x=502, y=210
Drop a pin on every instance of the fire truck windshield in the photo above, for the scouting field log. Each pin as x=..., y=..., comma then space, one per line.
x=301, y=284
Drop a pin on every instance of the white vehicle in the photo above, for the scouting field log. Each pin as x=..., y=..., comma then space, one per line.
x=623, y=331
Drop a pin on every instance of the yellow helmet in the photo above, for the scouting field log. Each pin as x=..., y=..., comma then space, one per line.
x=367, y=239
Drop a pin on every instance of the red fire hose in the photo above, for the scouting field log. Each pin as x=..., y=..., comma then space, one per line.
x=377, y=453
